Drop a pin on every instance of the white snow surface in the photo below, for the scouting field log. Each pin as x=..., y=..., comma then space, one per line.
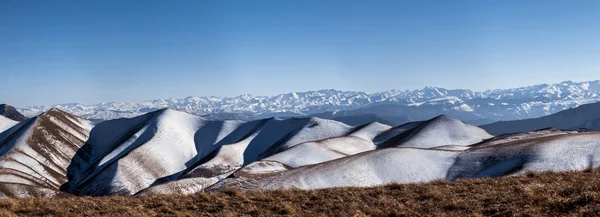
x=6, y=123
x=366, y=169
x=440, y=131
x=321, y=151
x=263, y=167
x=313, y=152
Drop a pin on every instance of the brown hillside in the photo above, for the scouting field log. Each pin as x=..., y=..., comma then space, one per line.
x=554, y=194
x=11, y=112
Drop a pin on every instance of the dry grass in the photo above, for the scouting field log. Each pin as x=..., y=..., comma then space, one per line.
x=547, y=194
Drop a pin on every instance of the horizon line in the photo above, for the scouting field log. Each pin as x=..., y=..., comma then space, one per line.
x=306, y=91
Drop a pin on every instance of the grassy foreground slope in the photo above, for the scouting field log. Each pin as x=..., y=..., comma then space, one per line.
x=555, y=194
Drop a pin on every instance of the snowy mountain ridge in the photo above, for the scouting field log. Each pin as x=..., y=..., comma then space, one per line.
x=501, y=104
x=169, y=151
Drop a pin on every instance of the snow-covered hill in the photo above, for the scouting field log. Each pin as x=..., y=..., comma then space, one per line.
x=125, y=156
x=439, y=131
x=35, y=153
x=508, y=104
x=316, y=149
x=558, y=152
x=169, y=151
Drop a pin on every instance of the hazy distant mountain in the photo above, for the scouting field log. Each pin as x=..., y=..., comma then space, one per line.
x=585, y=116
x=593, y=124
x=471, y=106
x=395, y=114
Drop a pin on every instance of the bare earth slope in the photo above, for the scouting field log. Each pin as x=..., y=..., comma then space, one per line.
x=11, y=113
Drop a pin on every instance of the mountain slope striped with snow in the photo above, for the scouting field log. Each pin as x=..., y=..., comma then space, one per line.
x=129, y=155
x=169, y=151
x=35, y=153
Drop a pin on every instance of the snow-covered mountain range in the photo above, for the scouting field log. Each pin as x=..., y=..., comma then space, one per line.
x=169, y=151
x=502, y=104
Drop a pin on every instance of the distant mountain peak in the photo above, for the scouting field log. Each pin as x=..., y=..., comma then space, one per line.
x=501, y=104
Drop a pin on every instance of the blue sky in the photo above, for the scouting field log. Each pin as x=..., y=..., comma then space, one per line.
x=82, y=51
